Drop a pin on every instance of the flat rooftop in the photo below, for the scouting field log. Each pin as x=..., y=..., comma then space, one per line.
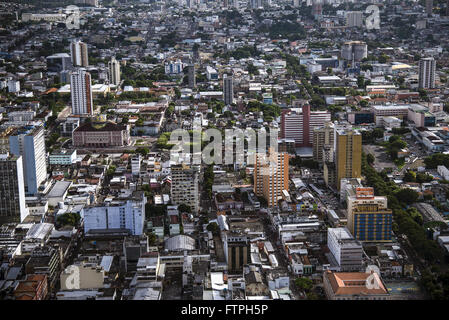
x=59, y=189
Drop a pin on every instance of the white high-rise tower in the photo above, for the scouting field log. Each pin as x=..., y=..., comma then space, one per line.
x=78, y=52
x=427, y=73
x=114, y=71
x=80, y=87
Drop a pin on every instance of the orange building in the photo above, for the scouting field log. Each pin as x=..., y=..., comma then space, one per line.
x=271, y=180
x=354, y=286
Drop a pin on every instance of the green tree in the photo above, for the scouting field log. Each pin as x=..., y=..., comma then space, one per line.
x=410, y=176
x=378, y=133
x=423, y=177
x=152, y=238
x=304, y=284
x=383, y=58
x=363, y=103
x=111, y=170
x=361, y=81
x=143, y=150
x=252, y=69
x=370, y=158
x=213, y=227
x=69, y=218
x=407, y=196
x=415, y=215
x=312, y=296
x=436, y=159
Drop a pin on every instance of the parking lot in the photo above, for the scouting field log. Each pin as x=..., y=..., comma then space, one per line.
x=382, y=159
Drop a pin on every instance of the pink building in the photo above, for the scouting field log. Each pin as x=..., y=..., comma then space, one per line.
x=100, y=135
x=298, y=124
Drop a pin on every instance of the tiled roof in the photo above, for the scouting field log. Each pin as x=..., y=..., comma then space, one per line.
x=355, y=283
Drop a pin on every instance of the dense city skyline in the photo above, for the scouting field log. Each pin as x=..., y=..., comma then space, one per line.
x=224, y=150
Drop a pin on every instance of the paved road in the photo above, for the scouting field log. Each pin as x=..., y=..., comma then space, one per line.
x=272, y=236
x=64, y=113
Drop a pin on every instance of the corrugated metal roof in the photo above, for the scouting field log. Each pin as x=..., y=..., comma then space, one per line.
x=106, y=262
x=39, y=231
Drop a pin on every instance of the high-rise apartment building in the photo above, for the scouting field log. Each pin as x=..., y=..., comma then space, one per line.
x=271, y=176
x=81, y=91
x=191, y=77
x=78, y=52
x=429, y=7
x=369, y=218
x=323, y=138
x=427, y=73
x=228, y=89
x=12, y=189
x=348, y=154
x=184, y=186
x=114, y=71
x=299, y=124
x=195, y=53
x=354, y=50
x=354, y=19
x=29, y=142
x=59, y=62
x=346, y=251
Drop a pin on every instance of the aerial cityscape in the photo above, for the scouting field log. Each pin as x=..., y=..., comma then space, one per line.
x=233, y=150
